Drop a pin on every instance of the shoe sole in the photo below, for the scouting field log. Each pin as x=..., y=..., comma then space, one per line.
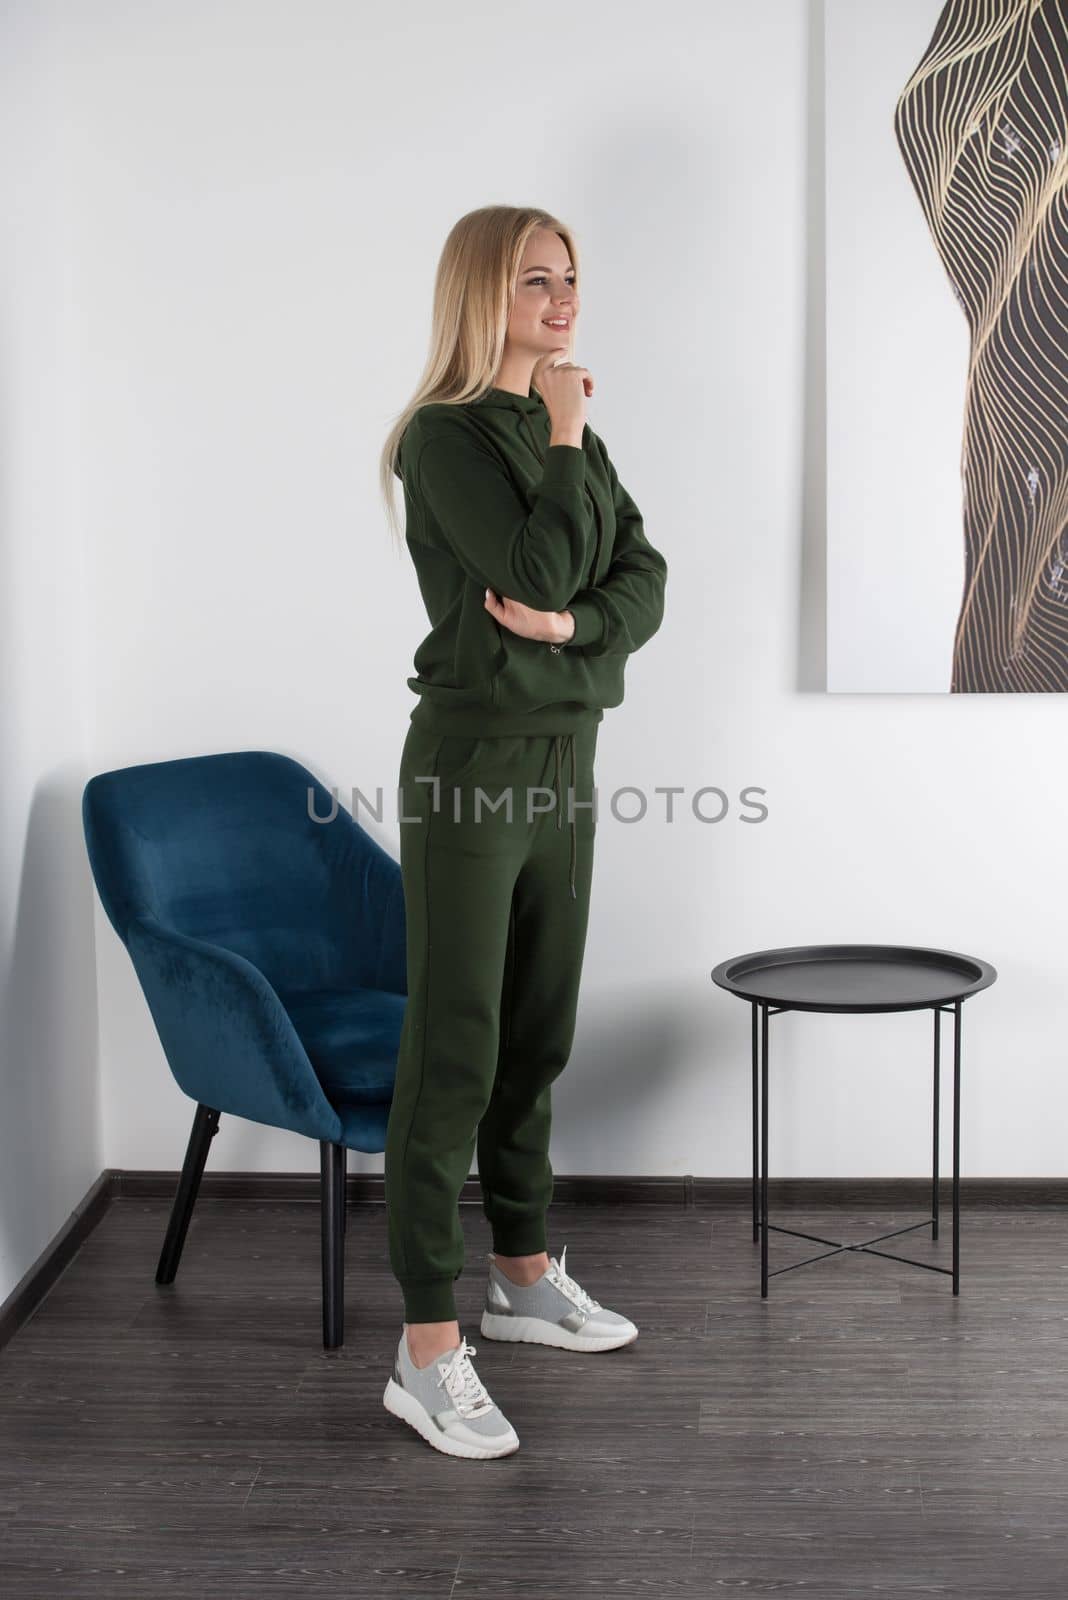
x=535, y=1330
x=407, y=1407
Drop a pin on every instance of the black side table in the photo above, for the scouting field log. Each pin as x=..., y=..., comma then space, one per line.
x=861, y=978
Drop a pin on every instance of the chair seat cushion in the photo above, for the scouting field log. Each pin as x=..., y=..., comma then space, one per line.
x=351, y=1037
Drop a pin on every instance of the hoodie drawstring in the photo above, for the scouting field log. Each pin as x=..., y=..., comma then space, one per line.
x=570, y=740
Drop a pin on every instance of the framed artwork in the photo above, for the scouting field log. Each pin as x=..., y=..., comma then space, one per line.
x=947, y=346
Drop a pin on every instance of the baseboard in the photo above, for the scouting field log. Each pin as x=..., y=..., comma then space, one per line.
x=368, y=1188
x=888, y=1194
x=32, y=1287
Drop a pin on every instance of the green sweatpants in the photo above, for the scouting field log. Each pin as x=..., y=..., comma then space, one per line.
x=497, y=907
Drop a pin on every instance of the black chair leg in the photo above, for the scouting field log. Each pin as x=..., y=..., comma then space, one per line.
x=332, y=1163
x=205, y=1127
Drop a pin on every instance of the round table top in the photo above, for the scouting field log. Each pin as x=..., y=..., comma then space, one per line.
x=854, y=977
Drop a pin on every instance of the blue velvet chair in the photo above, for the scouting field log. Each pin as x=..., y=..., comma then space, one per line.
x=271, y=950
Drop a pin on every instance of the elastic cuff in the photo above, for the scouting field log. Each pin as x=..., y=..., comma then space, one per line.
x=521, y=1238
x=564, y=468
x=430, y=1300
x=589, y=622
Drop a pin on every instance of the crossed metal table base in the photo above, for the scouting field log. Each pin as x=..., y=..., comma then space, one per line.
x=761, y=1225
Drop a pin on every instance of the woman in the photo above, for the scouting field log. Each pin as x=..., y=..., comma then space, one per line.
x=539, y=582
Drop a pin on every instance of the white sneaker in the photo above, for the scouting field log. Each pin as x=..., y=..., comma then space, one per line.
x=555, y=1310
x=449, y=1404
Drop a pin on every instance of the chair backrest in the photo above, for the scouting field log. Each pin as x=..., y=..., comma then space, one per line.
x=226, y=848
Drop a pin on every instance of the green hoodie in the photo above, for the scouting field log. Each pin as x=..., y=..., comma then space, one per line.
x=491, y=504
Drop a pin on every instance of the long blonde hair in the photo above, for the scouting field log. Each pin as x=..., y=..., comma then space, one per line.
x=474, y=290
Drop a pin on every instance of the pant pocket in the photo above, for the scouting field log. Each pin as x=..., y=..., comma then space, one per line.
x=459, y=756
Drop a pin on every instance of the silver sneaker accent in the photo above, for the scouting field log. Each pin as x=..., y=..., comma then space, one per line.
x=497, y=1298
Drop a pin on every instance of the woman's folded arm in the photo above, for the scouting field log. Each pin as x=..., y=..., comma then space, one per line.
x=539, y=556
x=623, y=611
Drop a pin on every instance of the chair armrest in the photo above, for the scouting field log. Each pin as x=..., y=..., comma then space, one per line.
x=227, y=1037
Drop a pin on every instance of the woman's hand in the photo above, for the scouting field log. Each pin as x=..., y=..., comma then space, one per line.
x=565, y=388
x=549, y=627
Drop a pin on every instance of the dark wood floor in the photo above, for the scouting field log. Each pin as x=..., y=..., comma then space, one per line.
x=859, y=1433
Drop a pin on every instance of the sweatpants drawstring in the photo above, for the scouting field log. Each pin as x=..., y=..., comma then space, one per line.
x=570, y=738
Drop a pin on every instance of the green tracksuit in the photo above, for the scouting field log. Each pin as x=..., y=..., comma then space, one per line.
x=497, y=838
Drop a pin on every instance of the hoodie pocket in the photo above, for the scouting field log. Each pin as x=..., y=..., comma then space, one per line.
x=530, y=675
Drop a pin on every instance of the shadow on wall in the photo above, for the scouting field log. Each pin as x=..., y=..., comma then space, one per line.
x=50, y=1146
x=811, y=665
x=630, y=1048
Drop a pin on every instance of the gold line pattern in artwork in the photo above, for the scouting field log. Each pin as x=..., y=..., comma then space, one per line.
x=983, y=128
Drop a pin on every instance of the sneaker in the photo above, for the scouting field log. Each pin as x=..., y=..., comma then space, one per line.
x=554, y=1310
x=448, y=1404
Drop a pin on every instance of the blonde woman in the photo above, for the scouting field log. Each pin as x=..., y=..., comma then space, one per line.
x=538, y=582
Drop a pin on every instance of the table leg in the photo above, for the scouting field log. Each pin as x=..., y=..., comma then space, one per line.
x=764, y=1152
x=756, y=1132
x=937, y=1097
x=956, y=1146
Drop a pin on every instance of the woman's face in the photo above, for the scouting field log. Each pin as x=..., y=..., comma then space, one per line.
x=545, y=293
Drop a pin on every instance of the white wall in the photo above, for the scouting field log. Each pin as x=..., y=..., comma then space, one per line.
x=261, y=195
x=50, y=1144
